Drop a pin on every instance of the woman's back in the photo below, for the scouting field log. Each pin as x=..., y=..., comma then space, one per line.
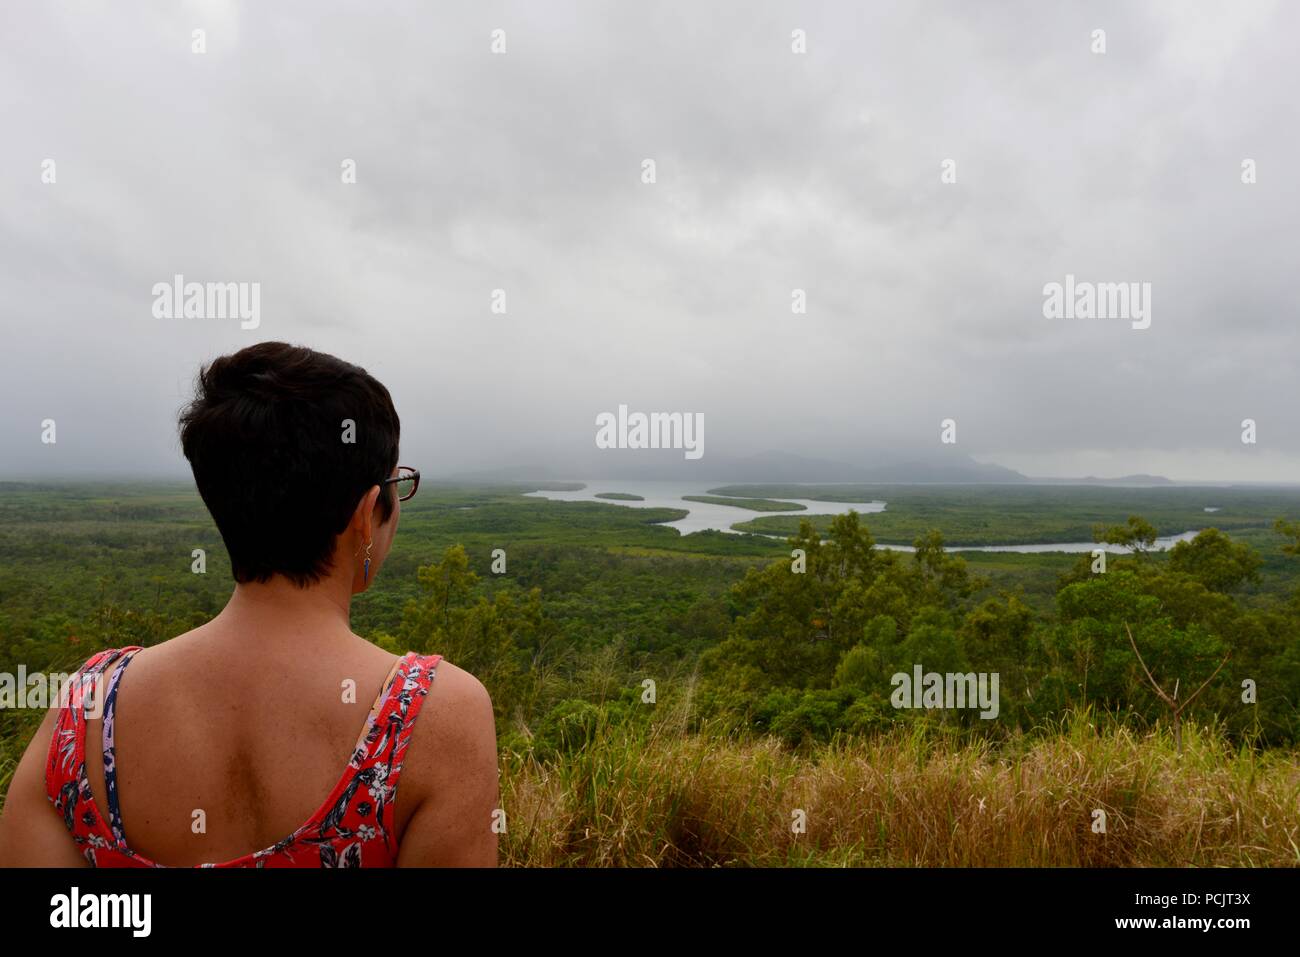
x=214, y=759
x=226, y=745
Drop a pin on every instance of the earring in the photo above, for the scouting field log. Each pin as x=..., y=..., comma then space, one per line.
x=366, y=571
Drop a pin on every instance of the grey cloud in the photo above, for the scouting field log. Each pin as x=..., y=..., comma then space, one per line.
x=775, y=171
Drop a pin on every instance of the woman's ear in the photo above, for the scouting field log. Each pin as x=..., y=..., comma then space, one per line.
x=363, y=518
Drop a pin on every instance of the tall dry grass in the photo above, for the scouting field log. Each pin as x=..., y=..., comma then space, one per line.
x=909, y=797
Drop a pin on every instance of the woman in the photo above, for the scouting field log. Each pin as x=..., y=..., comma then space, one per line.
x=247, y=741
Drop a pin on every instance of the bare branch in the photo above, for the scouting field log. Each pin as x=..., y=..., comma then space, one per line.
x=1159, y=690
x=1207, y=680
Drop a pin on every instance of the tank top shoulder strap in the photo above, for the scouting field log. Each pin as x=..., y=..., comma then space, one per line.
x=381, y=749
x=85, y=696
x=110, y=756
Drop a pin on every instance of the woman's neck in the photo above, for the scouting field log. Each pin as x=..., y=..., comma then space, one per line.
x=280, y=610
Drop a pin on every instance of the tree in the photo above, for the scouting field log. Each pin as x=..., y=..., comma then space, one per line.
x=1292, y=531
x=1171, y=700
x=1216, y=561
x=1137, y=534
x=484, y=636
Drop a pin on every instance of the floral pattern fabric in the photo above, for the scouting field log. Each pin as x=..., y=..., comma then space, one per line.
x=353, y=828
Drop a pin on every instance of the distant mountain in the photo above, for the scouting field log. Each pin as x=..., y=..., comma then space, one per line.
x=1125, y=480
x=775, y=467
x=508, y=474
x=772, y=467
x=961, y=471
x=938, y=469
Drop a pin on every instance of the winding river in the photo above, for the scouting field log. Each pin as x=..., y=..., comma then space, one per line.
x=703, y=516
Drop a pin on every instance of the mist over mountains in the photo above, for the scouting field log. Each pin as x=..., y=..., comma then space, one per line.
x=774, y=466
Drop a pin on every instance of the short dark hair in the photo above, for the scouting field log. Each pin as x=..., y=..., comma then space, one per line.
x=265, y=436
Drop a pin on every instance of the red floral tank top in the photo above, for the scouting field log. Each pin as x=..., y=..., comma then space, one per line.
x=352, y=828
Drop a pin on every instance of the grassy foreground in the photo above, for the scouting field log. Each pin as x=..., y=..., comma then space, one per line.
x=909, y=797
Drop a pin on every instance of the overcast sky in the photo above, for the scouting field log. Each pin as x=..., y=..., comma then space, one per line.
x=775, y=171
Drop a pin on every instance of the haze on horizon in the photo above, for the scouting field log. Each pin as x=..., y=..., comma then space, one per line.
x=775, y=171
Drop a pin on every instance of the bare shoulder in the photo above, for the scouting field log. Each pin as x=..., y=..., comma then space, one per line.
x=451, y=772
x=454, y=691
x=31, y=832
x=456, y=721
